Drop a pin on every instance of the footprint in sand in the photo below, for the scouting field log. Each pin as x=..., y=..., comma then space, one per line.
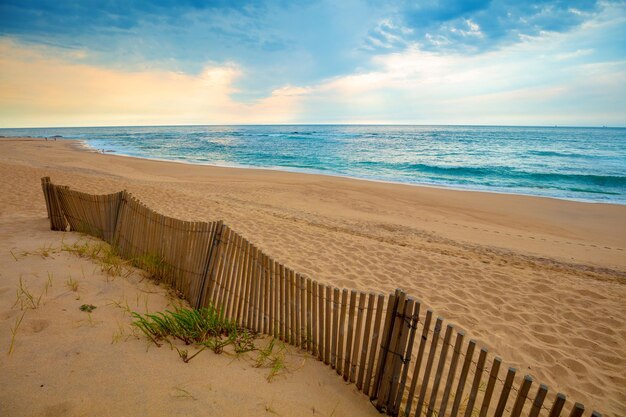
x=61, y=409
x=5, y=315
x=38, y=325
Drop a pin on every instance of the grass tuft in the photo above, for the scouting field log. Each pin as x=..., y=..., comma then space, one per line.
x=72, y=284
x=154, y=265
x=44, y=252
x=25, y=298
x=275, y=361
x=48, y=282
x=122, y=304
x=103, y=254
x=120, y=334
x=14, y=330
x=180, y=392
x=202, y=327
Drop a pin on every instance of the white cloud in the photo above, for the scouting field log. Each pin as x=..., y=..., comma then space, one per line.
x=39, y=87
x=536, y=81
x=471, y=29
x=575, y=54
x=550, y=78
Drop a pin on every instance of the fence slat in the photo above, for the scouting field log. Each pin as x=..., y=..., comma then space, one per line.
x=297, y=329
x=413, y=309
x=283, y=304
x=400, y=352
x=522, y=394
x=390, y=367
x=376, y=337
x=263, y=293
x=557, y=406
x=456, y=352
x=245, y=290
x=321, y=323
x=327, y=323
x=215, y=260
x=482, y=357
x=348, y=347
x=303, y=313
x=225, y=273
x=506, y=389
x=418, y=363
x=278, y=330
x=208, y=274
x=284, y=288
x=342, y=327
x=439, y=373
x=577, y=410
x=366, y=339
x=269, y=294
x=539, y=399
x=253, y=317
x=333, y=349
x=46, y=196
x=241, y=280
x=309, y=315
x=292, y=306
x=429, y=365
x=233, y=298
x=462, y=377
x=493, y=376
x=357, y=337
x=392, y=304
x=315, y=304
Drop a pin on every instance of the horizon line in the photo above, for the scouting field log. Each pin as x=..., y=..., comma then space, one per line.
x=322, y=124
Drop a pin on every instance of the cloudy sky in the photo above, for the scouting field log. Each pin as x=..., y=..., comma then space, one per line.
x=501, y=62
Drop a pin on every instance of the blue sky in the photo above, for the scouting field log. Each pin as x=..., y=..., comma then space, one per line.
x=479, y=62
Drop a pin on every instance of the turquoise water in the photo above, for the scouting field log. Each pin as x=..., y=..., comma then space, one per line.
x=573, y=163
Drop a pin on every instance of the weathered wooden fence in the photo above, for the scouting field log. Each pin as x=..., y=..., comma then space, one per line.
x=387, y=346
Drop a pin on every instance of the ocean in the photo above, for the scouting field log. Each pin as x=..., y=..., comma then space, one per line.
x=587, y=164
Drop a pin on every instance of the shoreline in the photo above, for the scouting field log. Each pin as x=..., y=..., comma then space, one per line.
x=183, y=169
x=86, y=147
x=321, y=124
x=538, y=281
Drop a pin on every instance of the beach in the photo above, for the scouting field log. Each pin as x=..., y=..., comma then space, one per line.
x=541, y=282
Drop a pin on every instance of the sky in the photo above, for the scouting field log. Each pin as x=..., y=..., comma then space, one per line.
x=139, y=62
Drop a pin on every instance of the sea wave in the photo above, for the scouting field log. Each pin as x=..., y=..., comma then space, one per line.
x=501, y=172
x=559, y=154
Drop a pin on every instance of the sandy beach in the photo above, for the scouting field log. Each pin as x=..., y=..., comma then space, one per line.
x=540, y=282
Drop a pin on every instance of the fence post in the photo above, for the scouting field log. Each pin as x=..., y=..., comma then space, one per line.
x=209, y=270
x=392, y=305
x=412, y=314
x=389, y=366
x=57, y=219
x=115, y=215
x=46, y=196
x=118, y=219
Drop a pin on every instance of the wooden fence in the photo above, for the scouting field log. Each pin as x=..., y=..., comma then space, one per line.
x=390, y=349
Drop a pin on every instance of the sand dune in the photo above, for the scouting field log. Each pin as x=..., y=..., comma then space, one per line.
x=66, y=362
x=541, y=282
